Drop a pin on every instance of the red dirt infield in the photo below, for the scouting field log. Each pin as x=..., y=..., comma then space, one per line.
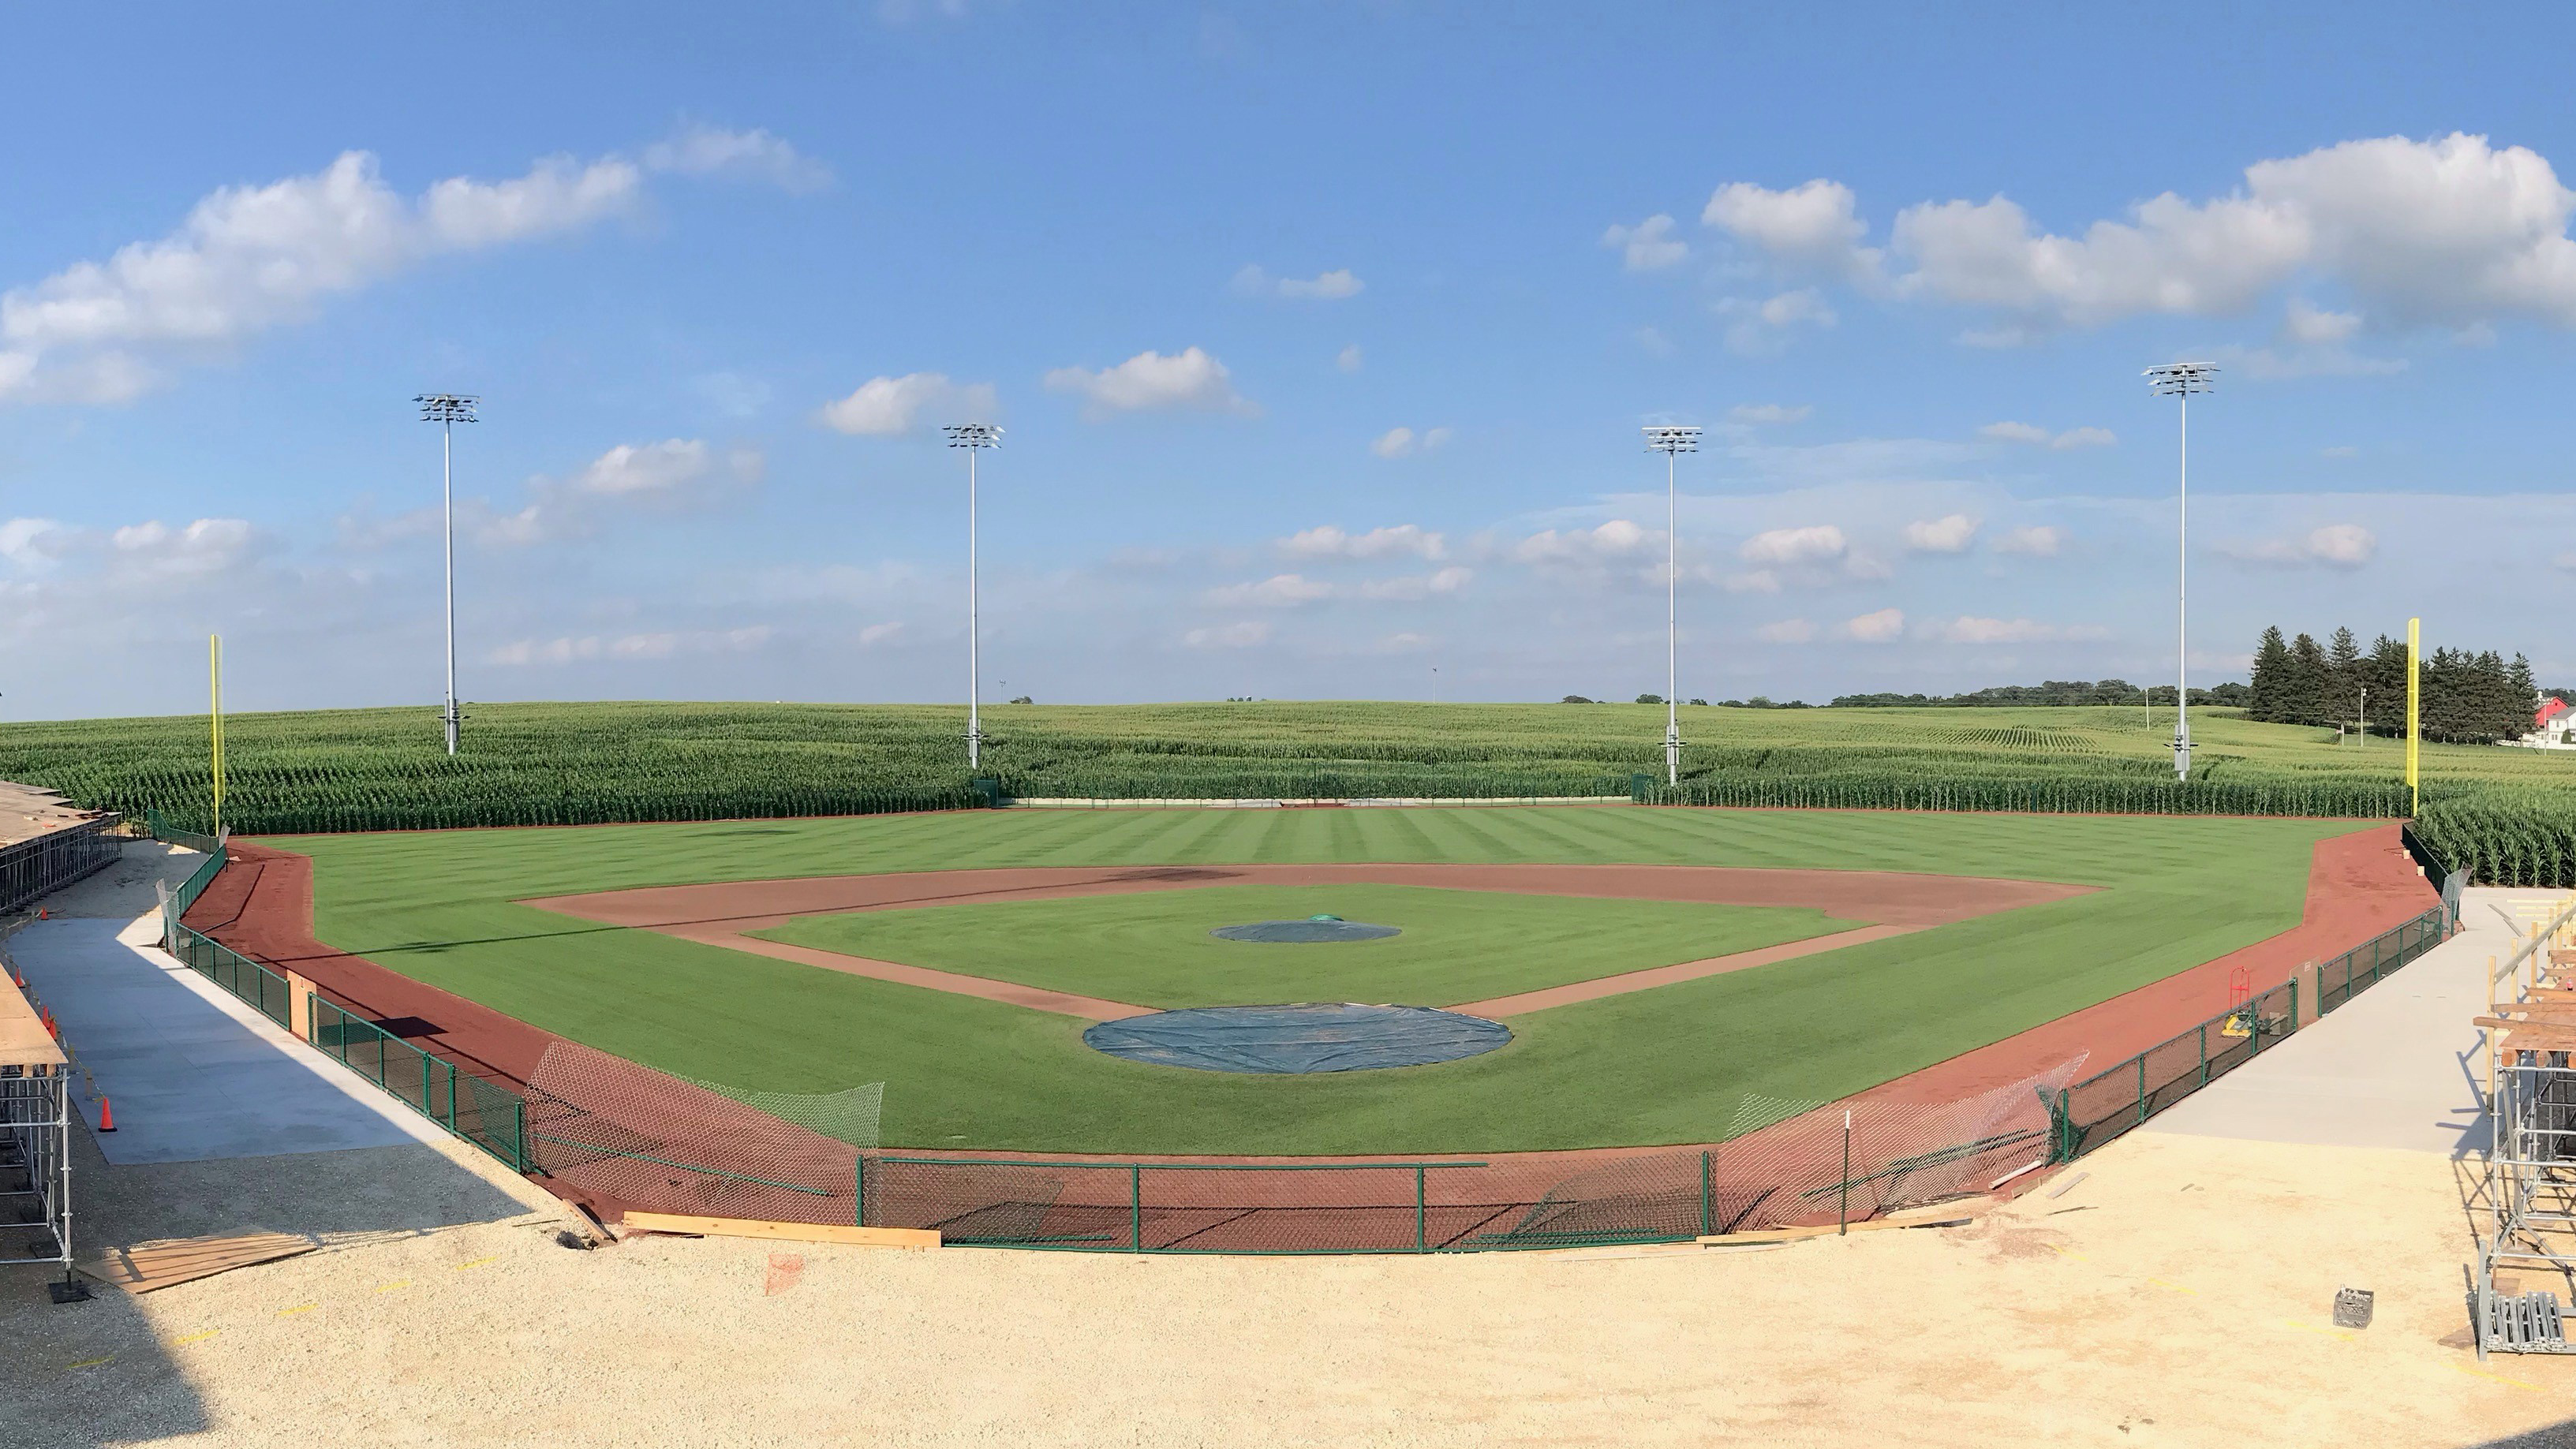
x=2359, y=885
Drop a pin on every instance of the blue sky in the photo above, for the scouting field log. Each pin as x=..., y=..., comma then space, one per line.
x=1322, y=335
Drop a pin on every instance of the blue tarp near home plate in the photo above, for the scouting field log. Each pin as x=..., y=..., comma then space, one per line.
x=1291, y=1039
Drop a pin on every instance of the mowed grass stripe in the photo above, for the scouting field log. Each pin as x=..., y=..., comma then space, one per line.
x=1155, y=949
x=1663, y=1065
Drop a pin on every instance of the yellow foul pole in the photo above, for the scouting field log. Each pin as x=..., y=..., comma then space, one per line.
x=215, y=717
x=2414, y=713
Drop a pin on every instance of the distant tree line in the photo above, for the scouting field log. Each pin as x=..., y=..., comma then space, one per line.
x=2054, y=692
x=2469, y=697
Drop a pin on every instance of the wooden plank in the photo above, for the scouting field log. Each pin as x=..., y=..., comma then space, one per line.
x=1793, y=1235
x=145, y=1267
x=792, y=1232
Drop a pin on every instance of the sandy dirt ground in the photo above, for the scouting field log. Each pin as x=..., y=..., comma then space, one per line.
x=2177, y=1294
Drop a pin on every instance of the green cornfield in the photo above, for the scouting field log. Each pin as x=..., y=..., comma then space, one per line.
x=2507, y=814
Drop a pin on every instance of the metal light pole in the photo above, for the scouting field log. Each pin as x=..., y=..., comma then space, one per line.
x=447, y=409
x=1668, y=441
x=974, y=438
x=2180, y=380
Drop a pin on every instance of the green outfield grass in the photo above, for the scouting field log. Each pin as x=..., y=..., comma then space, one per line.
x=1154, y=949
x=1667, y=1065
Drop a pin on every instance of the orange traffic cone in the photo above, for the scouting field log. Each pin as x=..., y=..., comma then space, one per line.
x=43, y=914
x=106, y=1118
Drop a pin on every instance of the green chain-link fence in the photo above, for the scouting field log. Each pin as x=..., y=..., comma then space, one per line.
x=2109, y=1103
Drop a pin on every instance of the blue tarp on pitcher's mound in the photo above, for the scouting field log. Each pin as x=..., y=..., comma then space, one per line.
x=1291, y=1039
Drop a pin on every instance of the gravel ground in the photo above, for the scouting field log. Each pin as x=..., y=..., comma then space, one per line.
x=2178, y=1295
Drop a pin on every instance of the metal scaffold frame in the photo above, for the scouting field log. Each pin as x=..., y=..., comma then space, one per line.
x=2530, y=1168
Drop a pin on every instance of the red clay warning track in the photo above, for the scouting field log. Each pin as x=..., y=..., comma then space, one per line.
x=1890, y=902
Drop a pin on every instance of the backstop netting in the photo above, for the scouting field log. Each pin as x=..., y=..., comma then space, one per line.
x=644, y=1139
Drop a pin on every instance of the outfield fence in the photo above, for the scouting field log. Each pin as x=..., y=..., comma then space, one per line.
x=628, y=1136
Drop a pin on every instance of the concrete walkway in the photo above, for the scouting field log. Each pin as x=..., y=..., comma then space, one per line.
x=192, y=1073
x=2398, y=1065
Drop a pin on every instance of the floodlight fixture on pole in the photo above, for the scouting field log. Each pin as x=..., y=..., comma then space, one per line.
x=2179, y=380
x=974, y=438
x=1669, y=441
x=447, y=409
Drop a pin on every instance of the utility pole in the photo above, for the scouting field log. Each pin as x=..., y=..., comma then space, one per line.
x=1669, y=441
x=974, y=438
x=2180, y=380
x=447, y=409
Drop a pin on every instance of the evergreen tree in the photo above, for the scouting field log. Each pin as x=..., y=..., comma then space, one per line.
x=2385, y=673
x=2306, y=697
x=2272, y=669
x=2343, y=678
x=2526, y=694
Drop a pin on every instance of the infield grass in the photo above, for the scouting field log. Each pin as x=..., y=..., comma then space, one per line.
x=1666, y=1065
x=1154, y=949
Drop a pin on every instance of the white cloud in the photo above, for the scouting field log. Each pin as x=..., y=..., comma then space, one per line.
x=252, y=257
x=1794, y=545
x=33, y=543
x=2036, y=540
x=2042, y=437
x=1762, y=328
x=1950, y=533
x=885, y=407
x=1813, y=228
x=1400, y=442
x=1151, y=381
x=875, y=634
x=2450, y=233
x=673, y=475
x=1786, y=631
x=2336, y=546
x=1615, y=539
x=2344, y=450
x=1648, y=245
x=1442, y=581
x=204, y=547
x=1405, y=643
x=1349, y=358
x=1330, y=542
x=2305, y=321
x=1970, y=629
x=1331, y=286
x=1287, y=591
x=1229, y=636
x=699, y=150
x=1883, y=626
x=1758, y=581
x=1762, y=413
x=569, y=650
x=1279, y=591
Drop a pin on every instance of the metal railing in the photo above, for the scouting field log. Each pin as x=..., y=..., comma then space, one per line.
x=49, y=862
x=485, y=1113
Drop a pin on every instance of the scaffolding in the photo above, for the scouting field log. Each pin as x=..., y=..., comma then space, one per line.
x=35, y=1141
x=2530, y=1169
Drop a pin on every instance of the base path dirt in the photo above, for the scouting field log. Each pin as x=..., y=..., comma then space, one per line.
x=725, y=914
